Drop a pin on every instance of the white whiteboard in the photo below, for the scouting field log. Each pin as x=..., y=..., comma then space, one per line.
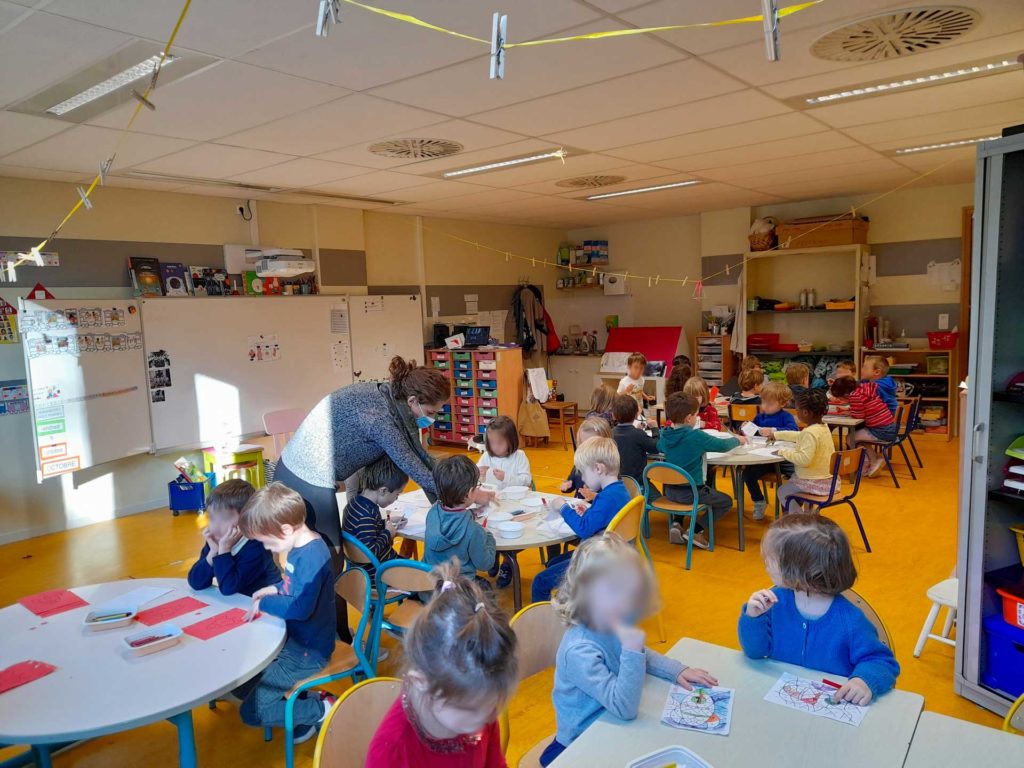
x=87, y=382
x=382, y=327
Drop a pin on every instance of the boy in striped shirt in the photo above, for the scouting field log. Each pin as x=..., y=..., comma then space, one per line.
x=379, y=486
x=866, y=403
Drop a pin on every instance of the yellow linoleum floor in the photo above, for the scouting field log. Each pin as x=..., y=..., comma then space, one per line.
x=912, y=531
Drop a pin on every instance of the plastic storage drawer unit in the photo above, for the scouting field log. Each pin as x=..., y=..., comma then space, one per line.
x=1003, y=660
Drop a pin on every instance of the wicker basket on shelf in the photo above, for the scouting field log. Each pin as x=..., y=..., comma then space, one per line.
x=762, y=234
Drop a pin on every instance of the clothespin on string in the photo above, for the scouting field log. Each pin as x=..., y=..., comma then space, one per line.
x=499, y=32
x=329, y=11
x=85, y=199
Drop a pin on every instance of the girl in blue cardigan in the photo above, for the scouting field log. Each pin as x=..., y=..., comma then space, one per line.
x=805, y=619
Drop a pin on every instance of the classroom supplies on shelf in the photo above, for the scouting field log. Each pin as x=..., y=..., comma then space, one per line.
x=1013, y=606
x=488, y=382
x=707, y=709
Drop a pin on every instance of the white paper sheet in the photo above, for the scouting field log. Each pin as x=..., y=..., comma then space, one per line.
x=814, y=698
x=137, y=598
x=749, y=428
x=706, y=709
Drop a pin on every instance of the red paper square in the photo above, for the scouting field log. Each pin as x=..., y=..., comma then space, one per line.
x=216, y=625
x=23, y=672
x=158, y=614
x=46, y=604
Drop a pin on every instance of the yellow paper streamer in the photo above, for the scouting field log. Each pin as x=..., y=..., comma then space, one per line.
x=413, y=20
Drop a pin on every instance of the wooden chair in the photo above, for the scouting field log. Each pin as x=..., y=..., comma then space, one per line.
x=1014, y=722
x=356, y=556
x=662, y=474
x=848, y=464
x=281, y=425
x=904, y=425
x=407, y=576
x=347, y=660
x=629, y=524
x=562, y=416
x=914, y=422
x=884, y=635
x=792, y=412
x=631, y=485
x=346, y=733
x=539, y=632
x=740, y=412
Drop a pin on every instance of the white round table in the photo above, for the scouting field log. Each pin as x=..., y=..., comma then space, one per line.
x=415, y=506
x=739, y=459
x=100, y=687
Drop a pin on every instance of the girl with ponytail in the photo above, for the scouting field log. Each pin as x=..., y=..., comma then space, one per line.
x=460, y=670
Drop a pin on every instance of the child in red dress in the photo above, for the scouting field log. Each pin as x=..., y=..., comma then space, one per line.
x=461, y=669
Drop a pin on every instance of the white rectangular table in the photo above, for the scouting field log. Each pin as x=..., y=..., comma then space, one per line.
x=941, y=740
x=763, y=735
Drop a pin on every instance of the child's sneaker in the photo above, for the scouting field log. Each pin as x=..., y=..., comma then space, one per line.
x=676, y=535
x=504, y=575
x=303, y=733
x=759, y=508
x=700, y=540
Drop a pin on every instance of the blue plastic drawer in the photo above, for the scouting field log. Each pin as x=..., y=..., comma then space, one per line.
x=1002, y=665
x=485, y=384
x=464, y=391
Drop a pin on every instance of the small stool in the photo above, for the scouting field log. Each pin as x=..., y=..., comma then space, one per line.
x=218, y=461
x=942, y=595
x=245, y=470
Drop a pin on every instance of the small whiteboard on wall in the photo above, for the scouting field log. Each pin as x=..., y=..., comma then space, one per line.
x=382, y=327
x=87, y=382
x=217, y=364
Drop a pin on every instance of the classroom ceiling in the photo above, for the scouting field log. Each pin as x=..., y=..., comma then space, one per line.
x=274, y=106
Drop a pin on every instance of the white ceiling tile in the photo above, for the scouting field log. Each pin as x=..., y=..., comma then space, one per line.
x=970, y=120
x=464, y=88
x=353, y=119
x=9, y=13
x=768, y=129
x=221, y=100
x=23, y=172
x=616, y=6
x=941, y=137
x=436, y=190
x=478, y=157
x=738, y=174
x=676, y=83
x=765, y=150
x=468, y=202
x=849, y=184
x=212, y=161
x=220, y=28
x=879, y=167
x=673, y=121
x=17, y=130
x=302, y=172
x=83, y=147
x=27, y=50
x=633, y=173
x=373, y=183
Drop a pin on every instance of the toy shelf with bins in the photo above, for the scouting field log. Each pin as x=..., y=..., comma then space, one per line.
x=943, y=387
x=712, y=358
x=486, y=382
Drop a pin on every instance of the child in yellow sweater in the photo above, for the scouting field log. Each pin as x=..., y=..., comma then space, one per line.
x=812, y=456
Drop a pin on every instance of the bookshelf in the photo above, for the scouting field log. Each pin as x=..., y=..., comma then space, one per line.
x=936, y=390
x=486, y=383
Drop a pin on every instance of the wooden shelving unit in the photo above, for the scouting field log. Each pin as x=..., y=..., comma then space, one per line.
x=712, y=358
x=949, y=381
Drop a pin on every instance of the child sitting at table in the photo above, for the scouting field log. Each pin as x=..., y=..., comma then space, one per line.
x=812, y=455
x=601, y=403
x=798, y=377
x=731, y=387
x=697, y=388
x=460, y=669
x=686, y=447
x=598, y=463
x=593, y=426
x=876, y=369
x=774, y=397
x=866, y=403
x=379, y=486
x=634, y=444
x=452, y=530
x=750, y=382
x=241, y=565
x=677, y=379
x=602, y=660
x=276, y=517
x=633, y=382
x=504, y=463
x=804, y=618
x=844, y=368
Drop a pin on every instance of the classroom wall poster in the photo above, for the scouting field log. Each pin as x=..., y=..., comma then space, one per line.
x=13, y=397
x=264, y=348
x=8, y=323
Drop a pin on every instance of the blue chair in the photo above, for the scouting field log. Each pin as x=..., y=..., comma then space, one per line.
x=662, y=474
x=844, y=463
x=407, y=577
x=346, y=661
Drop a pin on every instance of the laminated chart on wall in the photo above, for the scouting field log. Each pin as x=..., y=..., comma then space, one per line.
x=383, y=327
x=340, y=344
x=87, y=382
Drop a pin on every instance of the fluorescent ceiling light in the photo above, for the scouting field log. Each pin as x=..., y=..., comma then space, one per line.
x=136, y=72
x=559, y=153
x=929, y=79
x=641, y=190
x=944, y=145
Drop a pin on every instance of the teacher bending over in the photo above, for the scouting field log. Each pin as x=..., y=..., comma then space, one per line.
x=353, y=427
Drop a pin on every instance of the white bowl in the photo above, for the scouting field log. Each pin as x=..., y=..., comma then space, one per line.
x=166, y=634
x=533, y=502
x=515, y=492
x=498, y=517
x=511, y=530
x=488, y=487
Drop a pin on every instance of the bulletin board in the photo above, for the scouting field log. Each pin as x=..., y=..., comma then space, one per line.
x=382, y=327
x=215, y=365
x=87, y=384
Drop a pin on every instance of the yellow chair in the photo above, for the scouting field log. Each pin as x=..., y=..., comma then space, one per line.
x=539, y=632
x=792, y=412
x=628, y=523
x=883, y=631
x=346, y=733
x=740, y=412
x=1014, y=722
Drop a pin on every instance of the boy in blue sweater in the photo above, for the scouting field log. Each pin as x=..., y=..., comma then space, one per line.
x=276, y=517
x=804, y=619
x=452, y=531
x=774, y=397
x=379, y=486
x=876, y=368
x=240, y=565
x=598, y=462
x=686, y=447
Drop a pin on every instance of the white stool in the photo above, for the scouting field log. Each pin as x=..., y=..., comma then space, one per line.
x=942, y=595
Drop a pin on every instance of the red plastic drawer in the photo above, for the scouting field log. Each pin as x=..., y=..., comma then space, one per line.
x=471, y=401
x=488, y=402
x=439, y=355
x=488, y=375
x=465, y=410
x=484, y=356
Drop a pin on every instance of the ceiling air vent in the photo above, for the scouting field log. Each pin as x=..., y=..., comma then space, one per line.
x=896, y=33
x=590, y=182
x=416, y=149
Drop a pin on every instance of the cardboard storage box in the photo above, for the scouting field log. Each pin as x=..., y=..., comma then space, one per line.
x=822, y=230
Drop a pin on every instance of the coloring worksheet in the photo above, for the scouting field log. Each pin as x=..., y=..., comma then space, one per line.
x=706, y=709
x=814, y=698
